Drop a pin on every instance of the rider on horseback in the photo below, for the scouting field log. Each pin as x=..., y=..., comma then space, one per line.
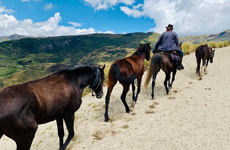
x=168, y=41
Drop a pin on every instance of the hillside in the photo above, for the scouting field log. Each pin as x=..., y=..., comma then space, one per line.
x=41, y=53
x=222, y=36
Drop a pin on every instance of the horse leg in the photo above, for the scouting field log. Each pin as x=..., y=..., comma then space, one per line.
x=198, y=68
x=133, y=88
x=138, y=87
x=25, y=141
x=123, y=96
x=107, y=98
x=69, y=121
x=202, y=68
x=24, y=134
x=60, y=130
x=167, y=77
x=205, y=67
x=138, y=90
x=153, y=85
x=173, y=78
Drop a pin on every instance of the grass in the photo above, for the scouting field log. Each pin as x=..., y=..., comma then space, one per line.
x=188, y=47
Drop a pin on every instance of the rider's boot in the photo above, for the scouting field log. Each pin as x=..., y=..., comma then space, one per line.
x=180, y=66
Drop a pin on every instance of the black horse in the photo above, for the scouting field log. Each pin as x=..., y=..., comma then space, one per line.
x=205, y=53
x=168, y=62
x=56, y=97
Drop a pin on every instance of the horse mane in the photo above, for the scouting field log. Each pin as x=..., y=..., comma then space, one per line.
x=142, y=48
x=78, y=68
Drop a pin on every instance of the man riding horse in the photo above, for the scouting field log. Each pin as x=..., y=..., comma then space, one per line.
x=168, y=41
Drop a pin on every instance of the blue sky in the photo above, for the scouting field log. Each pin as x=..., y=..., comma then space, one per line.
x=77, y=17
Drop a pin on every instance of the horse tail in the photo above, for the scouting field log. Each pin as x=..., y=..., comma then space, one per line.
x=119, y=77
x=154, y=67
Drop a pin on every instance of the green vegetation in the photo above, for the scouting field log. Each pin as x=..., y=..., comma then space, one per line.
x=188, y=47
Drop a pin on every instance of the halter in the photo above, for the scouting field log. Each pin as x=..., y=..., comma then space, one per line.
x=96, y=83
x=212, y=53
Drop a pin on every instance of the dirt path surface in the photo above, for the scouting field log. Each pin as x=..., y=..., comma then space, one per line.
x=195, y=115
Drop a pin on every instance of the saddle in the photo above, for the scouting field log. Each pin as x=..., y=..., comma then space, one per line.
x=173, y=55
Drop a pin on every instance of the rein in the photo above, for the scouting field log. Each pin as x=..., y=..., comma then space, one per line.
x=96, y=83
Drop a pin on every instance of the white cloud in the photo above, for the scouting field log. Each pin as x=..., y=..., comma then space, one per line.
x=106, y=4
x=10, y=25
x=3, y=10
x=75, y=24
x=48, y=6
x=188, y=17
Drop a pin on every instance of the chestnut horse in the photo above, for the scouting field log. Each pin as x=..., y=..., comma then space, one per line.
x=205, y=53
x=125, y=71
x=56, y=97
x=164, y=61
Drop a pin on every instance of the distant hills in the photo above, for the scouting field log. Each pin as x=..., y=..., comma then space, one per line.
x=222, y=36
x=25, y=58
x=15, y=37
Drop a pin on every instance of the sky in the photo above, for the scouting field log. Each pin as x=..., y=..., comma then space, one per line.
x=79, y=17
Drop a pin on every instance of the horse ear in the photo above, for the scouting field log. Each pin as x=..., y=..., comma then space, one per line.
x=103, y=67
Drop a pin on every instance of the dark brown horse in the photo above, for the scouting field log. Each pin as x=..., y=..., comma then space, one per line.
x=125, y=71
x=56, y=97
x=205, y=53
x=164, y=61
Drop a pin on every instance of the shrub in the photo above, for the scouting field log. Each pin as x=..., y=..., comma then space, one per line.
x=226, y=43
x=213, y=44
x=186, y=48
x=220, y=44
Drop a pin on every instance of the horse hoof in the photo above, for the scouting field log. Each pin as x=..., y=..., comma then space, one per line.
x=128, y=111
x=106, y=119
x=133, y=104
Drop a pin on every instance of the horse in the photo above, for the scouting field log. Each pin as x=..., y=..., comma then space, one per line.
x=126, y=70
x=166, y=61
x=55, y=97
x=205, y=53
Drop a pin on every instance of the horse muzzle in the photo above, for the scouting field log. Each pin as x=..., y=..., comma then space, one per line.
x=99, y=95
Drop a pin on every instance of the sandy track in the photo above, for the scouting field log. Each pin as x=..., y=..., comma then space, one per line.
x=195, y=115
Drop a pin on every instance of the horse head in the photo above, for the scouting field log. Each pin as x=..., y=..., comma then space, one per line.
x=212, y=55
x=97, y=85
x=146, y=48
x=179, y=45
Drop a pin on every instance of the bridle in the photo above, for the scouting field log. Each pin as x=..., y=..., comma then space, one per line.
x=96, y=84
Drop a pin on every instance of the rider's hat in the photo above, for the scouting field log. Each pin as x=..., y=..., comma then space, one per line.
x=170, y=26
